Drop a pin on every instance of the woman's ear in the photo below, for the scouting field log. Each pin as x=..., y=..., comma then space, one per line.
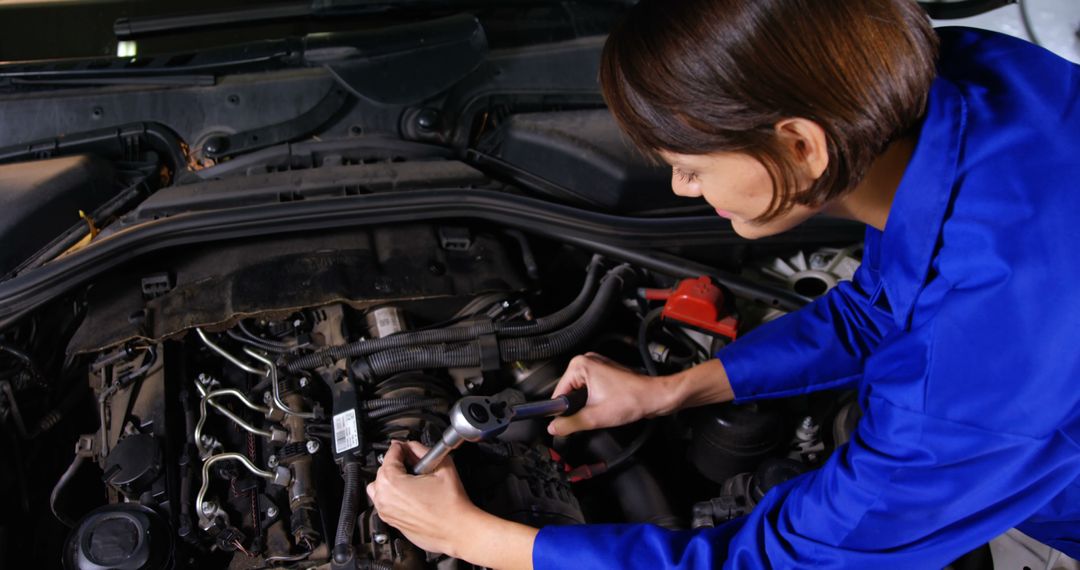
x=807, y=143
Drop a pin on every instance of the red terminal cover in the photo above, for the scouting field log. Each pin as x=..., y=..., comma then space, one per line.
x=700, y=304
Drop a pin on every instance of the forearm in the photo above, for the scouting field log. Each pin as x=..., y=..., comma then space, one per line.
x=700, y=385
x=488, y=541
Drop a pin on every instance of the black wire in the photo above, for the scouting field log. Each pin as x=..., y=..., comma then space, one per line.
x=633, y=447
x=242, y=338
x=139, y=373
x=246, y=336
x=643, y=340
x=643, y=347
x=281, y=345
x=1029, y=26
x=457, y=318
x=25, y=358
x=66, y=478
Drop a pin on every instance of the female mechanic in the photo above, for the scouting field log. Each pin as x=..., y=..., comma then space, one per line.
x=960, y=151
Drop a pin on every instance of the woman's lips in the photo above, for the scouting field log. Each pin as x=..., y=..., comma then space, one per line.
x=724, y=214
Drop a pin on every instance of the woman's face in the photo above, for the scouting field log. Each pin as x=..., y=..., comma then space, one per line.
x=738, y=186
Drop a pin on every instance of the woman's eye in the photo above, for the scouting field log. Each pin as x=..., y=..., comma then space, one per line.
x=685, y=177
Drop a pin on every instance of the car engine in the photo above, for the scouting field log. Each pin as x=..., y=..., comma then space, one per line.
x=247, y=442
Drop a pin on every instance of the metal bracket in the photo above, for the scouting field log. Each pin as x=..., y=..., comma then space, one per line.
x=86, y=446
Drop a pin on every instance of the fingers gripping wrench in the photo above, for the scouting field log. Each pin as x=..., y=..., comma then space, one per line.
x=476, y=418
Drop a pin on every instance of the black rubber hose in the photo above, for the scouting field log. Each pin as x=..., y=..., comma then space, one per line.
x=402, y=340
x=25, y=358
x=643, y=340
x=552, y=344
x=551, y=322
x=187, y=469
x=615, y=456
x=561, y=317
x=54, y=497
x=259, y=343
x=640, y=495
x=387, y=362
x=350, y=503
x=280, y=345
x=468, y=355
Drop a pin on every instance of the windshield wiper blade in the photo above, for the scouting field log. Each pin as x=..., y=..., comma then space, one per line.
x=132, y=28
x=152, y=80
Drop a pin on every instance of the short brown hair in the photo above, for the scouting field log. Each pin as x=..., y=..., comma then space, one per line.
x=702, y=76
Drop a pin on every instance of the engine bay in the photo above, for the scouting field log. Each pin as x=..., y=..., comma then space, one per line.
x=231, y=297
x=247, y=442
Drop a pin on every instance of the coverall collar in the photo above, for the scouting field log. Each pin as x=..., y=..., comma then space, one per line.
x=913, y=229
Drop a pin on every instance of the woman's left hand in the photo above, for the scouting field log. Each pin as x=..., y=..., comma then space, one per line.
x=420, y=505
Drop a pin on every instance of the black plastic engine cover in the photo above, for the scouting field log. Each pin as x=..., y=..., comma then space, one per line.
x=584, y=152
x=214, y=285
x=41, y=199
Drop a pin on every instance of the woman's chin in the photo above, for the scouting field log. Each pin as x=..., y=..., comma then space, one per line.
x=748, y=230
x=754, y=230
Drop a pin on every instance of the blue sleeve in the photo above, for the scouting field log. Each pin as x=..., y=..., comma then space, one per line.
x=922, y=481
x=821, y=346
x=910, y=491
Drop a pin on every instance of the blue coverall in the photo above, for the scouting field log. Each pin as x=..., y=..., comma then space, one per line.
x=961, y=332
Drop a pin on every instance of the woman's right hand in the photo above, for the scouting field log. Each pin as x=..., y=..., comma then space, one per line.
x=617, y=395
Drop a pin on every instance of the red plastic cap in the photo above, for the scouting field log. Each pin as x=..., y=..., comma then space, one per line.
x=700, y=304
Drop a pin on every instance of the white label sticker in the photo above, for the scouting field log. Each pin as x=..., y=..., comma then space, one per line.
x=346, y=435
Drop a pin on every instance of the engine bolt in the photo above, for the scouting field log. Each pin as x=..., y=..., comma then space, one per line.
x=303, y=381
x=427, y=119
x=313, y=446
x=272, y=461
x=203, y=378
x=208, y=507
x=271, y=512
x=380, y=538
x=215, y=145
x=267, y=398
